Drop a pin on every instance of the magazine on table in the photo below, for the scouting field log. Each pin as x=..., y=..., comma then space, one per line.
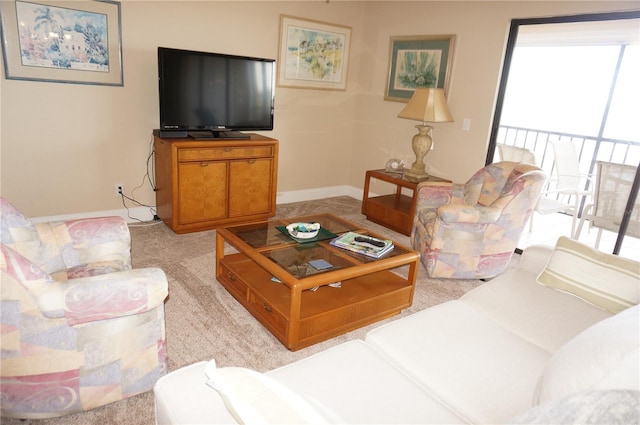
x=363, y=244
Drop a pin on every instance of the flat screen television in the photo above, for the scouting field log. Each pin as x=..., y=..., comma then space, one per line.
x=212, y=95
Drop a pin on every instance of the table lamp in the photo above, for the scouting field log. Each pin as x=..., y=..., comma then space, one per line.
x=426, y=105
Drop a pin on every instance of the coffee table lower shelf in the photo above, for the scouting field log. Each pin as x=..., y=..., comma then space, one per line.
x=303, y=318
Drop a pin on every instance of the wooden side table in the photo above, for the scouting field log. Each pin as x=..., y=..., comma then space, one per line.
x=395, y=211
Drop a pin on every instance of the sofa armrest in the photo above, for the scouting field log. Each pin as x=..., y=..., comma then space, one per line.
x=104, y=296
x=476, y=214
x=435, y=194
x=534, y=258
x=85, y=241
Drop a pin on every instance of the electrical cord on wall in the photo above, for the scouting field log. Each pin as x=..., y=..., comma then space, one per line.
x=147, y=176
x=125, y=198
x=151, y=176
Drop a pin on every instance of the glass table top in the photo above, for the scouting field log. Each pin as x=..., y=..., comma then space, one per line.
x=294, y=256
x=266, y=234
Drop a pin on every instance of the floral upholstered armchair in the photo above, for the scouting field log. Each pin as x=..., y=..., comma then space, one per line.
x=470, y=231
x=79, y=327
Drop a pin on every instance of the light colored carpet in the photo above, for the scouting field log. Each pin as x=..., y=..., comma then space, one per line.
x=203, y=321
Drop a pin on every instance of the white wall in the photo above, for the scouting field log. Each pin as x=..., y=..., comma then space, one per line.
x=64, y=146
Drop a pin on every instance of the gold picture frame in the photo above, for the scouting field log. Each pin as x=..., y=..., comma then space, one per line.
x=418, y=61
x=313, y=54
x=62, y=41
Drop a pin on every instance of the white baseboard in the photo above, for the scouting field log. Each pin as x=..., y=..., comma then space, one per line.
x=137, y=214
x=317, y=193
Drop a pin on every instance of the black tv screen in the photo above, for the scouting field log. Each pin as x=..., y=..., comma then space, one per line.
x=211, y=91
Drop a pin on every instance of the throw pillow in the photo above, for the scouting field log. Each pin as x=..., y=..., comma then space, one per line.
x=608, y=281
x=254, y=398
x=611, y=407
x=604, y=356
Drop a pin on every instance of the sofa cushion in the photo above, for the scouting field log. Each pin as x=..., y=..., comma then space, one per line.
x=608, y=281
x=348, y=383
x=254, y=398
x=541, y=315
x=362, y=387
x=482, y=371
x=605, y=356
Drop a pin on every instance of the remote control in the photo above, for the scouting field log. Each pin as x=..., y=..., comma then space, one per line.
x=370, y=241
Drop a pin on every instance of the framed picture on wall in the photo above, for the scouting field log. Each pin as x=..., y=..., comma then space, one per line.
x=313, y=54
x=418, y=61
x=64, y=42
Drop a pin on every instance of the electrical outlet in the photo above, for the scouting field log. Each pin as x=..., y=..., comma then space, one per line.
x=119, y=190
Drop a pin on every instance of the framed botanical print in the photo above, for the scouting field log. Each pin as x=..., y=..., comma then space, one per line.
x=418, y=61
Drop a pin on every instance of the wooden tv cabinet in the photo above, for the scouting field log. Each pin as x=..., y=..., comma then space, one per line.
x=202, y=184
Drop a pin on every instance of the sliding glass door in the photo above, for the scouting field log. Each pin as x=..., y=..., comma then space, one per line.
x=571, y=78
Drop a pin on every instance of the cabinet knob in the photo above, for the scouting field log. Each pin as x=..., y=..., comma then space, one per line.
x=267, y=307
x=204, y=164
x=228, y=149
x=252, y=161
x=232, y=277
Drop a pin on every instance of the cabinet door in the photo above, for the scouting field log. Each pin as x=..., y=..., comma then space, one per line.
x=250, y=187
x=202, y=191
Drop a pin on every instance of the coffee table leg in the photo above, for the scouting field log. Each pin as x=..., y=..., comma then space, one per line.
x=219, y=253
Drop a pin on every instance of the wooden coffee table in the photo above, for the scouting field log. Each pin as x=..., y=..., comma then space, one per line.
x=271, y=277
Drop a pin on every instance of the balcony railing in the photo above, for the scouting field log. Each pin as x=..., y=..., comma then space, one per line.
x=590, y=148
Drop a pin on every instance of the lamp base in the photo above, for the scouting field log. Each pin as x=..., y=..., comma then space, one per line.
x=421, y=144
x=416, y=174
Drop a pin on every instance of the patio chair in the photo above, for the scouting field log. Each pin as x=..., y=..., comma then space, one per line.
x=549, y=201
x=80, y=327
x=567, y=187
x=612, y=189
x=516, y=154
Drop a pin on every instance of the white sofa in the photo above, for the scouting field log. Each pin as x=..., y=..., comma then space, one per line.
x=521, y=348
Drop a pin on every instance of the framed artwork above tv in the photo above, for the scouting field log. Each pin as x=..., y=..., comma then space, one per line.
x=313, y=54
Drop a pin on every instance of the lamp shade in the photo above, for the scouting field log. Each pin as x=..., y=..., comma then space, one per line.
x=427, y=105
